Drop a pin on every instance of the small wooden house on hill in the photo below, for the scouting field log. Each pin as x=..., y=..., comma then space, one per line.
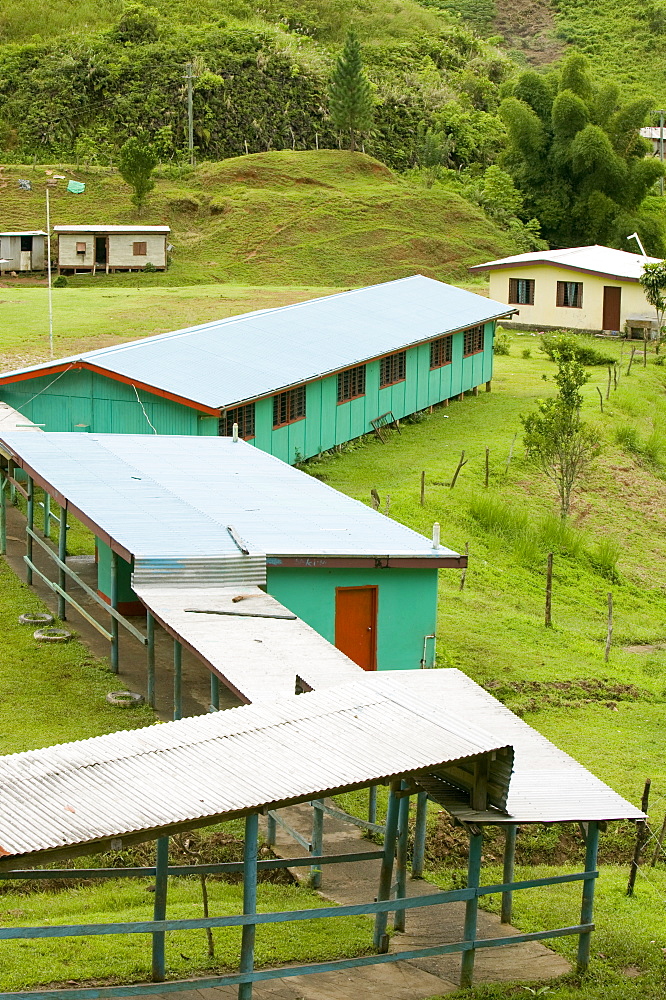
x=591, y=288
x=111, y=248
x=22, y=251
x=296, y=380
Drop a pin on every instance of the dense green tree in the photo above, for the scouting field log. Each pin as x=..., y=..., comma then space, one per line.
x=653, y=280
x=136, y=164
x=577, y=157
x=350, y=99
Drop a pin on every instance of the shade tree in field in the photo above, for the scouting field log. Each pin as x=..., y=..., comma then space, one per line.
x=576, y=154
x=556, y=438
x=653, y=281
x=350, y=100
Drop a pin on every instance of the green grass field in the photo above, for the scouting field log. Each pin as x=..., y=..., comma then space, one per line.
x=330, y=217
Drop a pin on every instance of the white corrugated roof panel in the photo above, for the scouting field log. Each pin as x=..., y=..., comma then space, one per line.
x=592, y=260
x=547, y=785
x=230, y=762
x=244, y=357
x=111, y=229
x=168, y=497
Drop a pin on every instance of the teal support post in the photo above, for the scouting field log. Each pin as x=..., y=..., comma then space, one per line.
x=317, y=846
x=114, y=621
x=471, y=908
x=271, y=830
x=418, y=857
x=3, y=516
x=150, y=653
x=31, y=525
x=401, y=859
x=380, y=938
x=177, y=680
x=214, y=692
x=62, y=556
x=159, y=908
x=372, y=804
x=587, y=908
x=249, y=900
x=510, y=832
x=47, y=515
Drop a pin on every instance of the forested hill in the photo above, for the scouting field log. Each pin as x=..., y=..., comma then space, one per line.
x=98, y=71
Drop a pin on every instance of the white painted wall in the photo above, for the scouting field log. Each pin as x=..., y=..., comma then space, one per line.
x=546, y=313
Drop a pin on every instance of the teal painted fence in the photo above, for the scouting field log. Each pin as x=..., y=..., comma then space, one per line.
x=406, y=606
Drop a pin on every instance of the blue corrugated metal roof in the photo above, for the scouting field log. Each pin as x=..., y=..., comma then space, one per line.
x=244, y=357
x=162, y=495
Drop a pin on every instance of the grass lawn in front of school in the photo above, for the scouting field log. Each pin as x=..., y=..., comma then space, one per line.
x=27, y=964
x=88, y=318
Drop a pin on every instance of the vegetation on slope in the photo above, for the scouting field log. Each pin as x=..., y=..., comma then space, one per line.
x=311, y=218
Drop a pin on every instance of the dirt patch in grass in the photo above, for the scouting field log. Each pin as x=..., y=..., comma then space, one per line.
x=529, y=28
x=530, y=696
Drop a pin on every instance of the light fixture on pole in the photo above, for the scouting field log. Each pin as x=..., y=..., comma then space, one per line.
x=635, y=236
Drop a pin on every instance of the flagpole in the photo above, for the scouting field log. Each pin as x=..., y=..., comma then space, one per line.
x=48, y=269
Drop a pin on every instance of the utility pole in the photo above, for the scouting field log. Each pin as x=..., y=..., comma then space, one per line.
x=48, y=269
x=190, y=113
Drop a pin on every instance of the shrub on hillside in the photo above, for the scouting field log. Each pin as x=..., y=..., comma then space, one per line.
x=573, y=347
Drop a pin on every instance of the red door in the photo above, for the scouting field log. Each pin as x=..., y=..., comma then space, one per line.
x=611, y=314
x=356, y=624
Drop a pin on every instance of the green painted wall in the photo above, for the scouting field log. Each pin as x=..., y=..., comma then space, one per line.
x=406, y=608
x=125, y=592
x=328, y=423
x=87, y=401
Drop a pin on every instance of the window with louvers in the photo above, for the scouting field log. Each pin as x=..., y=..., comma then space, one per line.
x=521, y=291
x=289, y=406
x=140, y=249
x=351, y=384
x=473, y=341
x=441, y=352
x=241, y=415
x=392, y=369
x=570, y=294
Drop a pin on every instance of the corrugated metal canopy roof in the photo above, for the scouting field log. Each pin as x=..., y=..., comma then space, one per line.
x=592, y=260
x=244, y=357
x=228, y=763
x=547, y=785
x=162, y=496
x=111, y=229
x=26, y=232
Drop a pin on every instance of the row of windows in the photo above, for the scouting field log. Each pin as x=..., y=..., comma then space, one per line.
x=569, y=293
x=290, y=405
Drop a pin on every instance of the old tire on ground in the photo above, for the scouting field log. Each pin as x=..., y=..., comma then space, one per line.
x=52, y=635
x=124, y=699
x=36, y=618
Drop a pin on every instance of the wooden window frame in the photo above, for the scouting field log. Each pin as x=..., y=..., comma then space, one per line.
x=515, y=298
x=474, y=332
x=244, y=416
x=442, y=347
x=136, y=251
x=293, y=403
x=387, y=366
x=561, y=295
x=351, y=384
x=81, y=247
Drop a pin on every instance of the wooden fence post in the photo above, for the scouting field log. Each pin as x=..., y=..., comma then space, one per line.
x=422, y=488
x=641, y=830
x=549, y=589
x=609, y=632
x=463, y=461
x=487, y=466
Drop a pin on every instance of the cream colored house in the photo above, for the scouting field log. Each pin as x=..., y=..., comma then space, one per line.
x=581, y=288
x=22, y=251
x=111, y=248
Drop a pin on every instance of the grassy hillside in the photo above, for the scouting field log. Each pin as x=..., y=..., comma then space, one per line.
x=279, y=218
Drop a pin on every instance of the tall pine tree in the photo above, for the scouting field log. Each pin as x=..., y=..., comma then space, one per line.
x=350, y=94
